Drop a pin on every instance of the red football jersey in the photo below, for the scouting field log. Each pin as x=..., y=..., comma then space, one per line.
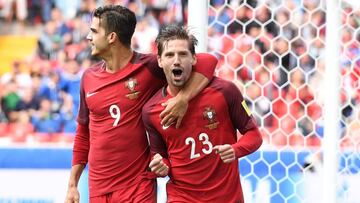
x=197, y=173
x=111, y=136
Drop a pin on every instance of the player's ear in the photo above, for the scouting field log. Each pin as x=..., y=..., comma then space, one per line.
x=194, y=60
x=112, y=37
x=159, y=61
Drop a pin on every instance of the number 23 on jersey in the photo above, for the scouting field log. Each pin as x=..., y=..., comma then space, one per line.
x=202, y=139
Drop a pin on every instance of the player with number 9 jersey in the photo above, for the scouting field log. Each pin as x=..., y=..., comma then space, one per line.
x=197, y=173
x=111, y=136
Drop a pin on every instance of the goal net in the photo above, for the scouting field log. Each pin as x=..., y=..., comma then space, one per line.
x=274, y=51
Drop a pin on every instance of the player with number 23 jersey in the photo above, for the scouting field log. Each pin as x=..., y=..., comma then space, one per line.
x=197, y=174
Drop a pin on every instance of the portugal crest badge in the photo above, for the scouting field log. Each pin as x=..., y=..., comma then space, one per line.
x=131, y=85
x=210, y=115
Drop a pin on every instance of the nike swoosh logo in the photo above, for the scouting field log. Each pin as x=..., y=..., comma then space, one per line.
x=90, y=94
x=166, y=127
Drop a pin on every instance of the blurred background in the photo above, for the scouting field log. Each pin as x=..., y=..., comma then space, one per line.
x=273, y=50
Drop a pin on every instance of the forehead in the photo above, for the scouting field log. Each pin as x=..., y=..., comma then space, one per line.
x=176, y=45
x=95, y=22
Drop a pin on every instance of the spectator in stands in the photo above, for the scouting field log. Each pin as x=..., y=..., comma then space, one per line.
x=84, y=13
x=144, y=37
x=61, y=24
x=19, y=75
x=83, y=52
x=45, y=120
x=68, y=118
x=17, y=8
x=284, y=58
x=28, y=101
x=68, y=8
x=70, y=82
x=50, y=88
x=40, y=11
x=9, y=100
x=3, y=118
x=22, y=128
x=49, y=41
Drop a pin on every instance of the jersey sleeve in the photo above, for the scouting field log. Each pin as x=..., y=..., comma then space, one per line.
x=242, y=120
x=83, y=113
x=81, y=145
x=248, y=143
x=157, y=144
x=81, y=142
x=240, y=114
x=205, y=65
x=154, y=67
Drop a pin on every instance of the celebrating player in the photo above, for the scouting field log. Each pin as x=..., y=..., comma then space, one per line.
x=110, y=135
x=201, y=157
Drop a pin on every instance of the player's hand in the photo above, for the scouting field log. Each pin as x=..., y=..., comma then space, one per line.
x=158, y=166
x=226, y=152
x=175, y=109
x=73, y=195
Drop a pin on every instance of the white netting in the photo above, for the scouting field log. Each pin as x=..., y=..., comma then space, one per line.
x=275, y=52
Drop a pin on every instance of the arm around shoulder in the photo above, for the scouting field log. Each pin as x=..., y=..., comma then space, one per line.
x=206, y=64
x=200, y=78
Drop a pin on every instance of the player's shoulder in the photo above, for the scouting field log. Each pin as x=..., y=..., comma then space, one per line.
x=222, y=84
x=97, y=67
x=156, y=99
x=227, y=88
x=207, y=58
x=141, y=58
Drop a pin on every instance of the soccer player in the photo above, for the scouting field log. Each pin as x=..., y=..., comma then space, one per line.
x=110, y=135
x=201, y=157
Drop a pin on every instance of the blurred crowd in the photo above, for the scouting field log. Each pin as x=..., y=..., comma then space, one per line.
x=40, y=95
x=273, y=50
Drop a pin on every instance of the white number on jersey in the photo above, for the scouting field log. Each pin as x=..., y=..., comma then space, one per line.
x=115, y=113
x=207, y=145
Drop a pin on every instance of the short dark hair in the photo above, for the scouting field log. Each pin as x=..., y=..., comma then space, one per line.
x=172, y=32
x=118, y=19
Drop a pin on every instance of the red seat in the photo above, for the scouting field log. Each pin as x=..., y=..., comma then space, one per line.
x=3, y=129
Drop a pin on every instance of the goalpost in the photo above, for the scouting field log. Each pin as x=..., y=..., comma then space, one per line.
x=331, y=105
x=198, y=20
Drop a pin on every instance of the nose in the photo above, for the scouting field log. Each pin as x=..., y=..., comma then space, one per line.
x=88, y=36
x=176, y=60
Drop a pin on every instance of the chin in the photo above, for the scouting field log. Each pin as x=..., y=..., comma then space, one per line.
x=178, y=83
x=94, y=54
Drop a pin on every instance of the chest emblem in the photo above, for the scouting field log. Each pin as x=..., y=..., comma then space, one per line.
x=210, y=115
x=131, y=85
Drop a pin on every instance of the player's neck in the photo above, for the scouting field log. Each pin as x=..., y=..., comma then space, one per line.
x=173, y=90
x=118, y=59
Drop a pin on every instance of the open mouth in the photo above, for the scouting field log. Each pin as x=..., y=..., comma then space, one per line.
x=177, y=72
